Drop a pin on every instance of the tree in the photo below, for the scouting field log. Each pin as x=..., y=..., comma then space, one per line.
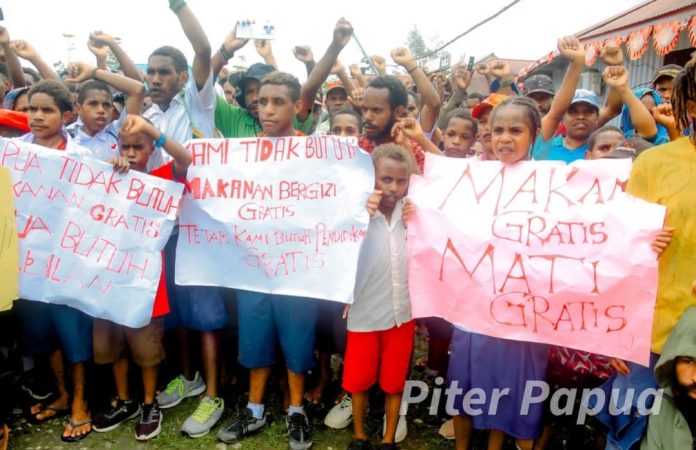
x=59, y=67
x=111, y=61
x=416, y=44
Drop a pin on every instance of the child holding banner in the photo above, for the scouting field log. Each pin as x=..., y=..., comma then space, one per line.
x=264, y=318
x=138, y=139
x=380, y=328
x=52, y=329
x=489, y=363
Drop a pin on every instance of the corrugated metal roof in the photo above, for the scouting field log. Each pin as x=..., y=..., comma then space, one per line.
x=646, y=11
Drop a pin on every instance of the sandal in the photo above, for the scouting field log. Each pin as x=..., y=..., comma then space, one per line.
x=74, y=426
x=61, y=411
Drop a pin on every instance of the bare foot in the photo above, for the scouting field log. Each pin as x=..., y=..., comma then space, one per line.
x=80, y=424
x=56, y=408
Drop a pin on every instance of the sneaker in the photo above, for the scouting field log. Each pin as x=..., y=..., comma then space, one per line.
x=447, y=429
x=150, y=423
x=359, y=444
x=299, y=434
x=401, y=428
x=178, y=389
x=341, y=415
x=242, y=425
x=122, y=411
x=204, y=417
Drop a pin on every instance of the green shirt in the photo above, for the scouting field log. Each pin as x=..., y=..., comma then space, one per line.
x=236, y=122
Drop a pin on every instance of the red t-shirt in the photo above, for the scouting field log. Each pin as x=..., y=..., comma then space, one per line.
x=368, y=145
x=161, y=306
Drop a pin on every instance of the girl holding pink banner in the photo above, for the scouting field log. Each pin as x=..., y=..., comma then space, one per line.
x=499, y=366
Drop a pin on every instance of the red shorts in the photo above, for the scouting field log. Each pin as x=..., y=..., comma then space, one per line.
x=385, y=353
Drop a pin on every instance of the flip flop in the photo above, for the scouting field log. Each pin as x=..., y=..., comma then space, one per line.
x=57, y=412
x=75, y=426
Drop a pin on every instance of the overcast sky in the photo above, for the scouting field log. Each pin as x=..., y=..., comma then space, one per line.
x=526, y=31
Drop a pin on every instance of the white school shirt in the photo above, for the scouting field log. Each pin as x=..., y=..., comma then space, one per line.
x=103, y=145
x=190, y=105
x=381, y=298
x=71, y=147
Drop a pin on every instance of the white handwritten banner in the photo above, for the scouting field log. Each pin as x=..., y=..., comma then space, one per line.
x=536, y=251
x=282, y=215
x=88, y=237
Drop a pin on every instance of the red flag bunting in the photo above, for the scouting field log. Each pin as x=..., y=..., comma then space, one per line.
x=637, y=42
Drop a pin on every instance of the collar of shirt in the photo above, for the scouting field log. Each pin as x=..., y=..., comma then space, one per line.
x=178, y=99
x=558, y=141
x=395, y=218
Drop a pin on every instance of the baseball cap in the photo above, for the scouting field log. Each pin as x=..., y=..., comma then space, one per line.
x=254, y=72
x=538, y=83
x=14, y=119
x=490, y=102
x=670, y=70
x=585, y=96
x=335, y=84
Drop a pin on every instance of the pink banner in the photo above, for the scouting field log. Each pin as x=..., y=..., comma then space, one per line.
x=536, y=251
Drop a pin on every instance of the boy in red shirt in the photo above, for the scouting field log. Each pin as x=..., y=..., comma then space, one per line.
x=138, y=139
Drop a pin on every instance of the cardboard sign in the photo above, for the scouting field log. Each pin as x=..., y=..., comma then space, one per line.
x=536, y=251
x=88, y=237
x=284, y=215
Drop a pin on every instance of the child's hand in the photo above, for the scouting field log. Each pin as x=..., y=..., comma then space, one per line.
x=99, y=38
x=338, y=68
x=263, y=48
x=23, y=49
x=403, y=57
x=461, y=78
x=663, y=115
x=484, y=69
x=662, y=240
x=373, y=202
x=231, y=44
x=380, y=64
x=355, y=70
x=79, y=72
x=303, y=53
x=120, y=163
x=343, y=32
x=500, y=70
x=439, y=80
x=612, y=56
x=620, y=366
x=408, y=211
x=4, y=36
x=411, y=129
x=344, y=314
x=356, y=98
x=572, y=50
x=133, y=124
x=615, y=76
x=97, y=49
x=397, y=133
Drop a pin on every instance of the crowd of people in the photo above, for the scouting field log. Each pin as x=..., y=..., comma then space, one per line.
x=141, y=122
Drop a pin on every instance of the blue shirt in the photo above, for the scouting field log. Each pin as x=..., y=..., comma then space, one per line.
x=555, y=150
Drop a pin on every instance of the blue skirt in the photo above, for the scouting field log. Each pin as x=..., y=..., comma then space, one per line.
x=489, y=366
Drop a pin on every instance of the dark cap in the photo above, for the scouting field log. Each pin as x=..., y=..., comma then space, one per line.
x=538, y=83
x=670, y=70
x=254, y=72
